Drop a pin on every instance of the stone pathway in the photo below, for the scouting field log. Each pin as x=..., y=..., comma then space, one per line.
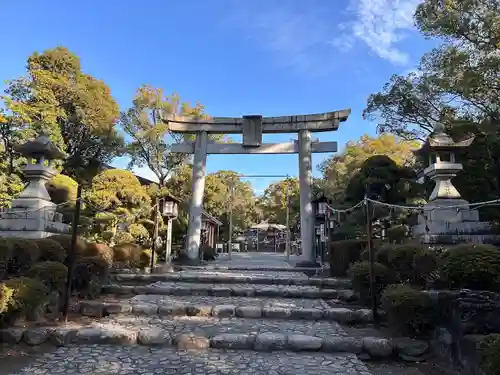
x=228, y=342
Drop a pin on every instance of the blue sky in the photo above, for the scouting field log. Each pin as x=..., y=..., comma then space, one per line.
x=269, y=57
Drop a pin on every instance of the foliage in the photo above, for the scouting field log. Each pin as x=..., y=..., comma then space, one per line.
x=23, y=254
x=90, y=268
x=489, y=349
x=397, y=234
x=471, y=267
x=52, y=274
x=139, y=233
x=360, y=276
x=62, y=189
x=100, y=250
x=338, y=169
x=456, y=85
x=28, y=294
x=76, y=110
x=65, y=241
x=146, y=123
x=123, y=237
x=51, y=250
x=343, y=254
x=126, y=252
x=6, y=295
x=145, y=258
x=274, y=202
x=409, y=310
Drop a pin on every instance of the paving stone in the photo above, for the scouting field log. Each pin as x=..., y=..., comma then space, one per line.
x=172, y=310
x=118, y=289
x=364, y=315
x=342, y=344
x=304, y=343
x=223, y=311
x=241, y=291
x=11, y=335
x=63, y=336
x=341, y=315
x=276, y=312
x=220, y=292
x=36, y=336
x=270, y=341
x=191, y=341
x=88, y=335
x=347, y=295
x=232, y=341
x=248, y=311
x=199, y=310
x=307, y=314
x=92, y=309
x=117, y=308
x=377, y=347
x=410, y=347
x=144, y=309
x=118, y=336
x=154, y=337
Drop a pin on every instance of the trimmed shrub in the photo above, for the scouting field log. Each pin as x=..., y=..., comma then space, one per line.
x=6, y=294
x=51, y=250
x=28, y=294
x=52, y=274
x=65, y=241
x=24, y=254
x=398, y=233
x=126, y=252
x=489, y=349
x=360, y=277
x=343, y=254
x=62, y=188
x=87, y=273
x=123, y=237
x=145, y=258
x=409, y=310
x=471, y=267
x=139, y=232
x=100, y=250
x=5, y=257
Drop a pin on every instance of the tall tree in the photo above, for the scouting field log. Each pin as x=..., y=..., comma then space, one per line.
x=75, y=109
x=145, y=122
x=340, y=168
x=274, y=202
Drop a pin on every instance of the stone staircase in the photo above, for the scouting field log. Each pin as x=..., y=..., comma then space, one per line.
x=254, y=309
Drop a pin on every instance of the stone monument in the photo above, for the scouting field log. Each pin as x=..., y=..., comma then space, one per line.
x=252, y=127
x=462, y=222
x=33, y=214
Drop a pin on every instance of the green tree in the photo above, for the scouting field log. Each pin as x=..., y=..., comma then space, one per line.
x=146, y=123
x=75, y=109
x=338, y=169
x=274, y=202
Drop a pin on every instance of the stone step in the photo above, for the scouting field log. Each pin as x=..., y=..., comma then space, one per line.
x=114, y=359
x=238, y=268
x=234, y=290
x=242, y=307
x=234, y=278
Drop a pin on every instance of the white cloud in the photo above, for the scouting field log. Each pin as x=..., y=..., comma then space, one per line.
x=382, y=25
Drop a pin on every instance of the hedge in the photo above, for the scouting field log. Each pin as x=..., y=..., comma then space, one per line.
x=489, y=349
x=471, y=267
x=51, y=250
x=28, y=294
x=65, y=241
x=100, y=250
x=360, y=277
x=126, y=252
x=52, y=274
x=409, y=310
x=24, y=253
x=343, y=254
x=6, y=294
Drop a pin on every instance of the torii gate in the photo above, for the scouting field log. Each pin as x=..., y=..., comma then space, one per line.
x=252, y=128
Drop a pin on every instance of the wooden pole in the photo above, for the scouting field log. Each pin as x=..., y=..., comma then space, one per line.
x=369, y=231
x=287, y=239
x=155, y=234
x=72, y=253
x=230, y=235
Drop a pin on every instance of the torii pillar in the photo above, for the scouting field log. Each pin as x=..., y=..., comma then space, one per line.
x=252, y=128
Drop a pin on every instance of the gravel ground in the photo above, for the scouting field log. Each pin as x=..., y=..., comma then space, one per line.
x=113, y=360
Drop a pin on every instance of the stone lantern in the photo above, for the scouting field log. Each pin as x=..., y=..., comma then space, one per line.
x=446, y=214
x=33, y=214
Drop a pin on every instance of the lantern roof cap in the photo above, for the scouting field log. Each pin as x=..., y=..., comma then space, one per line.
x=442, y=141
x=41, y=146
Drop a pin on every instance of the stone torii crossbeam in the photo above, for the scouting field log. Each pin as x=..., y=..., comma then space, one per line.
x=252, y=127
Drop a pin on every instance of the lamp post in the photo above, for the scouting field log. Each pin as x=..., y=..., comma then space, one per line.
x=320, y=207
x=169, y=208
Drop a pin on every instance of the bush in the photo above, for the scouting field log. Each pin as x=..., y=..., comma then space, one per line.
x=397, y=234
x=471, y=267
x=52, y=274
x=409, y=310
x=126, y=252
x=28, y=294
x=123, y=237
x=89, y=274
x=6, y=294
x=65, y=241
x=62, y=188
x=5, y=257
x=24, y=254
x=360, y=277
x=100, y=250
x=343, y=254
x=145, y=258
x=489, y=349
x=139, y=232
x=51, y=250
